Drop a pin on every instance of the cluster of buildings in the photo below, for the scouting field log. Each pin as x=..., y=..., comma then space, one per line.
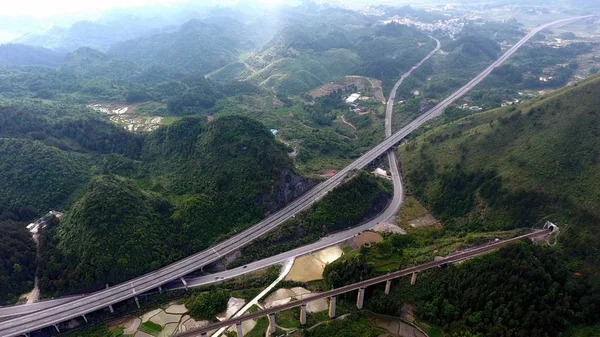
x=451, y=26
x=354, y=101
x=472, y=107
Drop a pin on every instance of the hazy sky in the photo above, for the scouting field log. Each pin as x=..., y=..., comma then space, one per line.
x=46, y=8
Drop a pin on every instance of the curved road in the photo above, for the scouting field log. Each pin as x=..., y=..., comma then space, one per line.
x=22, y=309
x=118, y=293
x=454, y=258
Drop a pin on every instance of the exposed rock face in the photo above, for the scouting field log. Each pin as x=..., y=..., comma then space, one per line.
x=287, y=188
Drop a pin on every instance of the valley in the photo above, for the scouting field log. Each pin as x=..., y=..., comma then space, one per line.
x=187, y=155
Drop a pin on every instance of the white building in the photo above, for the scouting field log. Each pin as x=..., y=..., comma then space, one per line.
x=352, y=98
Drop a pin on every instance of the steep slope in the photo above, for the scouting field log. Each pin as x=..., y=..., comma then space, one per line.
x=524, y=163
x=37, y=176
x=197, y=47
x=17, y=261
x=193, y=183
x=235, y=160
x=99, y=35
x=302, y=56
x=117, y=230
x=23, y=55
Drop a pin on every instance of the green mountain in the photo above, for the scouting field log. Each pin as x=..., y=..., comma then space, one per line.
x=191, y=183
x=38, y=176
x=303, y=55
x=98, y=35
x=23, y=55
x=197, y=47
x=117, y=230
x=526, y=162
x=518, y=167
x=17, y=261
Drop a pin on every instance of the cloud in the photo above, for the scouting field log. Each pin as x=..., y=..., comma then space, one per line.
x=45, y=8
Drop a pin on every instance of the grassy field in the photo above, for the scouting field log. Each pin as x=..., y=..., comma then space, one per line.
x=150, y=328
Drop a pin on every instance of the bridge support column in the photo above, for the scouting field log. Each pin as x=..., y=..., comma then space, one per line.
x=413, y=279
x=137, y=302
x=388, y=286
x=360, y=299
x=84, y=318
x=112, y=311
x=184, y=282
x=56, y=327
x=332, y=307
x=272, y=324
x=160, y=289
x=238, y=327
x=26, y=334
x=303, y=314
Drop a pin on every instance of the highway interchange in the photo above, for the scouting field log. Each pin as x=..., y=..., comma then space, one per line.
x=104, y=298
x=394, y=205
x=454, y=258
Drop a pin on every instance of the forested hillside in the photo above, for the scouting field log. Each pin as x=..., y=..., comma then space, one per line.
x=197, y=47
x=192, y=183
x=509, y=168
x=522, y=162
x=301, y=57
x=17, y=255
x=24, y=55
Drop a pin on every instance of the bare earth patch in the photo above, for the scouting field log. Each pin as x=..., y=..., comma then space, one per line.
x=366, y=239
x=317, y=305
x=279, y=297
x=146, y=317
x=386, y=227
x=169, y=330
x=414, y=214
x=310, y=267
x=163, y=318
x=426, y=220
x=176, y=309
x=233, y=306
x=189, y=324
x=131, y=326
x=247, y=325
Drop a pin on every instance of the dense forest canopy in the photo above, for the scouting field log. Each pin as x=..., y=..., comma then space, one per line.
x=233, y=93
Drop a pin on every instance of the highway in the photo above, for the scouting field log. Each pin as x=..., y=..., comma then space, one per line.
x=392, y=208
x=389, y=108
x=370, y=282
x=104, y=298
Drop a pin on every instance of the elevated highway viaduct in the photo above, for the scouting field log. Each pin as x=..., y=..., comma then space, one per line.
x=132, y=288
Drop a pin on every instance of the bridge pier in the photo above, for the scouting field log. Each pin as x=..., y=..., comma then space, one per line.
x=360, y=299
x=159, y=289
x=184, y=282
x=110, y=307
x=332, y=307
x=26, y=334
x=238, y=327
x=388, y=286
x=137, y=301
x=84, y=318
x=303, y=314
x=272, y=324
x=413, y=279
x=56, y=327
